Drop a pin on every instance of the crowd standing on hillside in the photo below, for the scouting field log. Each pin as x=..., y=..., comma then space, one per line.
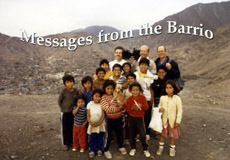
x=120, y=99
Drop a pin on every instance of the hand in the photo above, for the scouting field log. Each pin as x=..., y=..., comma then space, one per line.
x=84, y=124
x=94, y=124
x=168, y=66
x=176, y=125
x=162, y=110
x=120, y=106
x=151, y=102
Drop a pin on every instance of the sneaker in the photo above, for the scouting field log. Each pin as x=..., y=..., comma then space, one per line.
x=99, y=153
x=132, y=152
x=147, y=137
x=160, y=151
x=108, y=155
x=146, y=153
x=65, y=148
x=123, y=151
x=82, y=150
x=172, y=152
x=91, y=154
x=74, y=149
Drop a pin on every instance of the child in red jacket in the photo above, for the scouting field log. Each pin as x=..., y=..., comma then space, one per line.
x=136, y=105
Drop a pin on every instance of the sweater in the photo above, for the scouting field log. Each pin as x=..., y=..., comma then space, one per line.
x=173, y=110
x=111, y=110
x=130, y=103
x=66, y=100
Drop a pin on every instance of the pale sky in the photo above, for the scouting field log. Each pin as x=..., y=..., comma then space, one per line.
x=45, y=17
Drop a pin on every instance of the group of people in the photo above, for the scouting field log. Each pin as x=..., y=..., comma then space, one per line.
x=119, y=99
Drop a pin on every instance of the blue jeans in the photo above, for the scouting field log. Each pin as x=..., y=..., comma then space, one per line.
x=96, y=141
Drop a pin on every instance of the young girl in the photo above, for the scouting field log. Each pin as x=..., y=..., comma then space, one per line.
x=114, y=118
x=126, y=67
x=96, y=129
x=171, y=107
x=80, y=121
x=136, y=105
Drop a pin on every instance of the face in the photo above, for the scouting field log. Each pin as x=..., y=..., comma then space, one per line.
x=105, y=66
x=131, y=80
x=161, y=73
x=100, y=75
x=109, y=90
x=117, y=71
x=81, y=103
x=69, y=84
x=169, y=89
x=135, y=91
x=126, y=68
x=96, y=98
x=161, y=52
x=143, y=67
x=118, y=54
x=144, y=52
x=87, y=85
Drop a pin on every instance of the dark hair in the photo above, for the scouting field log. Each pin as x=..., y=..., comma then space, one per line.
x=162, y=67
x=127, y=63
x=68, y=78
x=117, y=65
x=131, y=75
x=80, y=96
x=161, y=46
x=135, y=84
x=119, y=47
x=97, y=91
x=107, y=83
x=144, y=60
x=104, y=61
x=174, y=85
x=86, y=79
x=100, y=69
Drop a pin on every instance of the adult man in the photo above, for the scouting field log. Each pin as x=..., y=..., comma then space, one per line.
x=144, y=52
x=172, y=66
x=118, y=57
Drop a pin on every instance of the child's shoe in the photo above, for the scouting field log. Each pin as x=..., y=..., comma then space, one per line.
x=108, y=155
x=99, y=153
x=132, y=152
x=172, y=152
x=146, y=153
x=82, y=150
x=91, y=154
x=123, y=151
x=160, y=151
x=65, y=148
x=74, y=149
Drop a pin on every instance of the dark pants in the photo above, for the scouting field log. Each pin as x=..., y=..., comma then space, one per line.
x=96, y=141
x=156, y=102
x=114, y=125
x=136, y=124
x=148, y=119
x=67, y=128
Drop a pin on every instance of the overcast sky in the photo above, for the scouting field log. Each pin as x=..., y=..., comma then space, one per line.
x=45, y=17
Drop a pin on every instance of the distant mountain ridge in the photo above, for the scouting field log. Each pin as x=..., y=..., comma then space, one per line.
x=96, y=29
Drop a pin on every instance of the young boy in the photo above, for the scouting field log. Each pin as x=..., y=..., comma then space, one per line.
x=131, y=77
x=117, y=77
x=80, y=121
x=145, y=78
x=104, y=63
x=66, y=104
x=98, y=83
x=87, y=90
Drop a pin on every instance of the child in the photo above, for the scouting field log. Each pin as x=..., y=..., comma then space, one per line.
x=96, y=129
x=104, y=63
x=98, y=83
x=146, y=78
x=66, y=104
x=136, y=105
x=114, y=117
x=80, y=121
x=126, y=67
x=117, y=77
x=171, y=107
x=87, y=89
x=131, y=77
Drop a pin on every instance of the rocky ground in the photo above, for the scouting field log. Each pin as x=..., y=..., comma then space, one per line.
x=30, y=128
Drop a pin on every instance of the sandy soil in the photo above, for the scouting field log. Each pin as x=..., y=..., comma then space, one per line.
x=30, y=129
